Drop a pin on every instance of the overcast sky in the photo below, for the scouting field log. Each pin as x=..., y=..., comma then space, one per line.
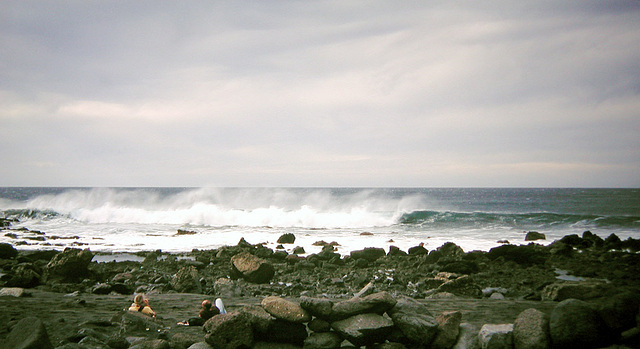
x=320, y=93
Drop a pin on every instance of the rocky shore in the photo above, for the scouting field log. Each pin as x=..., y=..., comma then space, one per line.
x=578, y=292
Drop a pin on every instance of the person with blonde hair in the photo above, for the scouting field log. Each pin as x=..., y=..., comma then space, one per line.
x=141, y=304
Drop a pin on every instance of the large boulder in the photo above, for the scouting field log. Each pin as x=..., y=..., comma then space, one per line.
x=377, y=303
x=284, y=309
x=370, y=253
x=228, y=331
x=323, y=340
x=575, y=324
x=364, y=329
x=448, y=330
x=186, y=280
x=534, y=235
x=496, y=336
x=28, y=333
x=531, y=330
x=287, y=238
x=414, y=320
x=280, y=331
x=71, y=265
x=526, y=255
x=619, y=311
x=448, y=251
x=582, y=290
x=7, y=251
x=467, y=337
x=252, y=268
x=319, y=307
x=461, y=286
x=25, y=275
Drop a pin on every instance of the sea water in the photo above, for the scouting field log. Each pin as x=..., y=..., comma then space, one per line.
x=147, y=219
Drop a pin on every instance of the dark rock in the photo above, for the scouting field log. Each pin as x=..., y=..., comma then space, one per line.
x=7, y=251
x=298, y=250
x=574, y=324
x=364, y=329
x=377, y=303
x=319, y=325
x=370, y=254
x=319, y=307
x=619, y=311
x=324, y=340
x=259, y=319
x=101, y=288
x=417, y=250
x=574, y=240
x=534, y=235
x=28, y=333
x=414, y=321
x=593, y=239
x=449, y=251
x=395, y=251
x=582, y=290
x=461, y=267
x=462, y=286
x=612, y=242
x=71, y=265
x=227, y=331
x=151, y=344
x=531, y=330
x=526, y=255
x=287, y=238
x=448, y=330
x=252, y=268
x=284, y=309
x=281, y=331
x=187, y=280
x=25, y=275
x=131, y=323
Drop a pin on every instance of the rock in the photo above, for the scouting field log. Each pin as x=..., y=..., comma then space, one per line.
x=134, y=323
x=71, y=265
x=252, y=268
x=462, y=286
x=496, y=336
x=448, y=251
x=417, y=250
x=281, y=331
x=101, y=288
x=448, y=330
x=467, y=337
x=151, y=344
x=25, y=275
x=200, y=345
x=324, y=340
x=531, y=330
x=574, y=324
x=227, y=288
x=298, y=250
x=267, y=345
x=374, y=303
x=497, y=296
x=7, y=251
x=258, y=317
x=319, y=325
x=582, y=290
x=364, y=329
x=396, y=251
x=534, y=235
x=12, y=291
x=287, y=238
x=286, y=310
x=184, y=340
x=526, y=255
x=574, y=240
x=370, y=254
x=461, y=267
x=319, y=307
x=414, y=320
x=593, y=239
x=28, y=333
x=227, y=331
x=187, y=280
x=619, y=311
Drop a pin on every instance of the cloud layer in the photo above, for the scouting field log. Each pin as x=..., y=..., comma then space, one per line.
x=320, y=93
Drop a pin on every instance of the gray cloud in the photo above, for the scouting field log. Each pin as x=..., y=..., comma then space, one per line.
x=326, y=93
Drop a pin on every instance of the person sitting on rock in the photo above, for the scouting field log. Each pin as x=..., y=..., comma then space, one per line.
x=141, y=304
x=207, y=311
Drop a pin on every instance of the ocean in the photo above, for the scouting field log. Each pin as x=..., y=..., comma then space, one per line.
x=147, y=219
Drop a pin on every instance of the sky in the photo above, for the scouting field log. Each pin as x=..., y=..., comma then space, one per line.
x=320, y=93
